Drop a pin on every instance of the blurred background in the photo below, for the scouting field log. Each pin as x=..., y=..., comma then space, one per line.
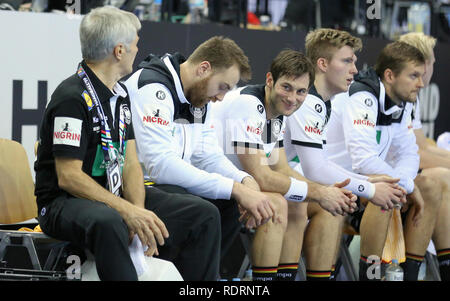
x=374, y=18
x=43, y=48
x=43, y=45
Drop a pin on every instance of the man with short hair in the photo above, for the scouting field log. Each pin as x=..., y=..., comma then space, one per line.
x=250, y=123
x=369, y=134
x=434, y=161
x=87, y=173
x=175, y=141
x=89, y=183
x=333, y=55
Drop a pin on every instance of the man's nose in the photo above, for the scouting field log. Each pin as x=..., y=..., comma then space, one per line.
x=421, y=85
x=220, y=96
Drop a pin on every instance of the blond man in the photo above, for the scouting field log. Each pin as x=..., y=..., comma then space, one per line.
x=434, y=161
x=369, y=134
x=333, y=54
x=179, y=151
x=250, y=124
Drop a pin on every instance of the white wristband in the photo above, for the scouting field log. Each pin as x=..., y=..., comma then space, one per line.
x=371, y=191
x=297, y=191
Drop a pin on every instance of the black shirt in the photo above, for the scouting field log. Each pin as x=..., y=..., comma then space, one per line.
x=71, y=128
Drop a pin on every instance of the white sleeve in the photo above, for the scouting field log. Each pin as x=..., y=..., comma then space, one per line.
x=209, y=155
x=318, y=168
x=244, y=124
x=416, y=122
x=359, y=122
x=309, y=125
x=404, y=153
x=157, y=148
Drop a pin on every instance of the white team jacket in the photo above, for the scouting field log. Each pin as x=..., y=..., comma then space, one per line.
x=416, y=122
x=179, y=149
x=373, y=136
x=240, y=120
x=306, y=142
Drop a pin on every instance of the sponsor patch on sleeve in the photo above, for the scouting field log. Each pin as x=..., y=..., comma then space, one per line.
x=155, y=114
x=314, y=127
x=364, y=118
x=67, y=131
x=255, y=128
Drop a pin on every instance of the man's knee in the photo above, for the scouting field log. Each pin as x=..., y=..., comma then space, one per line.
x=427, y=182
x=439, y=174
x=297, y=213
x=108, y=222
x=207, y=210
x=315, y=212
x=281, y=208
x=200, y=212
x=430, y=188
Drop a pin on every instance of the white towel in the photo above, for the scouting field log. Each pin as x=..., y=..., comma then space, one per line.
x=137, y=256
x=147, y=268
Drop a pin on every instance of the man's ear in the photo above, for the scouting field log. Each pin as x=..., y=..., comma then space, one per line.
x=389, y=76
x=269, y=80
x=204, y=69
x=118, y=51
x=322, y=64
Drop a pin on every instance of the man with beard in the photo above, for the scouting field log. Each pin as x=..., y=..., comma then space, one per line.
x=333, y=54
x=250, y=123
x=177, y=145
x=434, y=161
x=368, y=133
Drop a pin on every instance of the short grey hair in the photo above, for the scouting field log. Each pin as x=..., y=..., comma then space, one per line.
x=105, y=27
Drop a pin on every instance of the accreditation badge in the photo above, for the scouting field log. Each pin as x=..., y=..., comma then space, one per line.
x=114, y=177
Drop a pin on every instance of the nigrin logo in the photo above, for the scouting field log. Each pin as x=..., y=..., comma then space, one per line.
x=363, y=122
x=155, y=119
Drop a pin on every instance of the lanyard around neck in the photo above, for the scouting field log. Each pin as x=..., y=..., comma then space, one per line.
x=107, y=145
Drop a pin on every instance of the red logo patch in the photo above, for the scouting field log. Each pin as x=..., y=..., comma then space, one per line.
x=365, y=122
x=254, y=130
x=311, y=129
x=154, y=119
